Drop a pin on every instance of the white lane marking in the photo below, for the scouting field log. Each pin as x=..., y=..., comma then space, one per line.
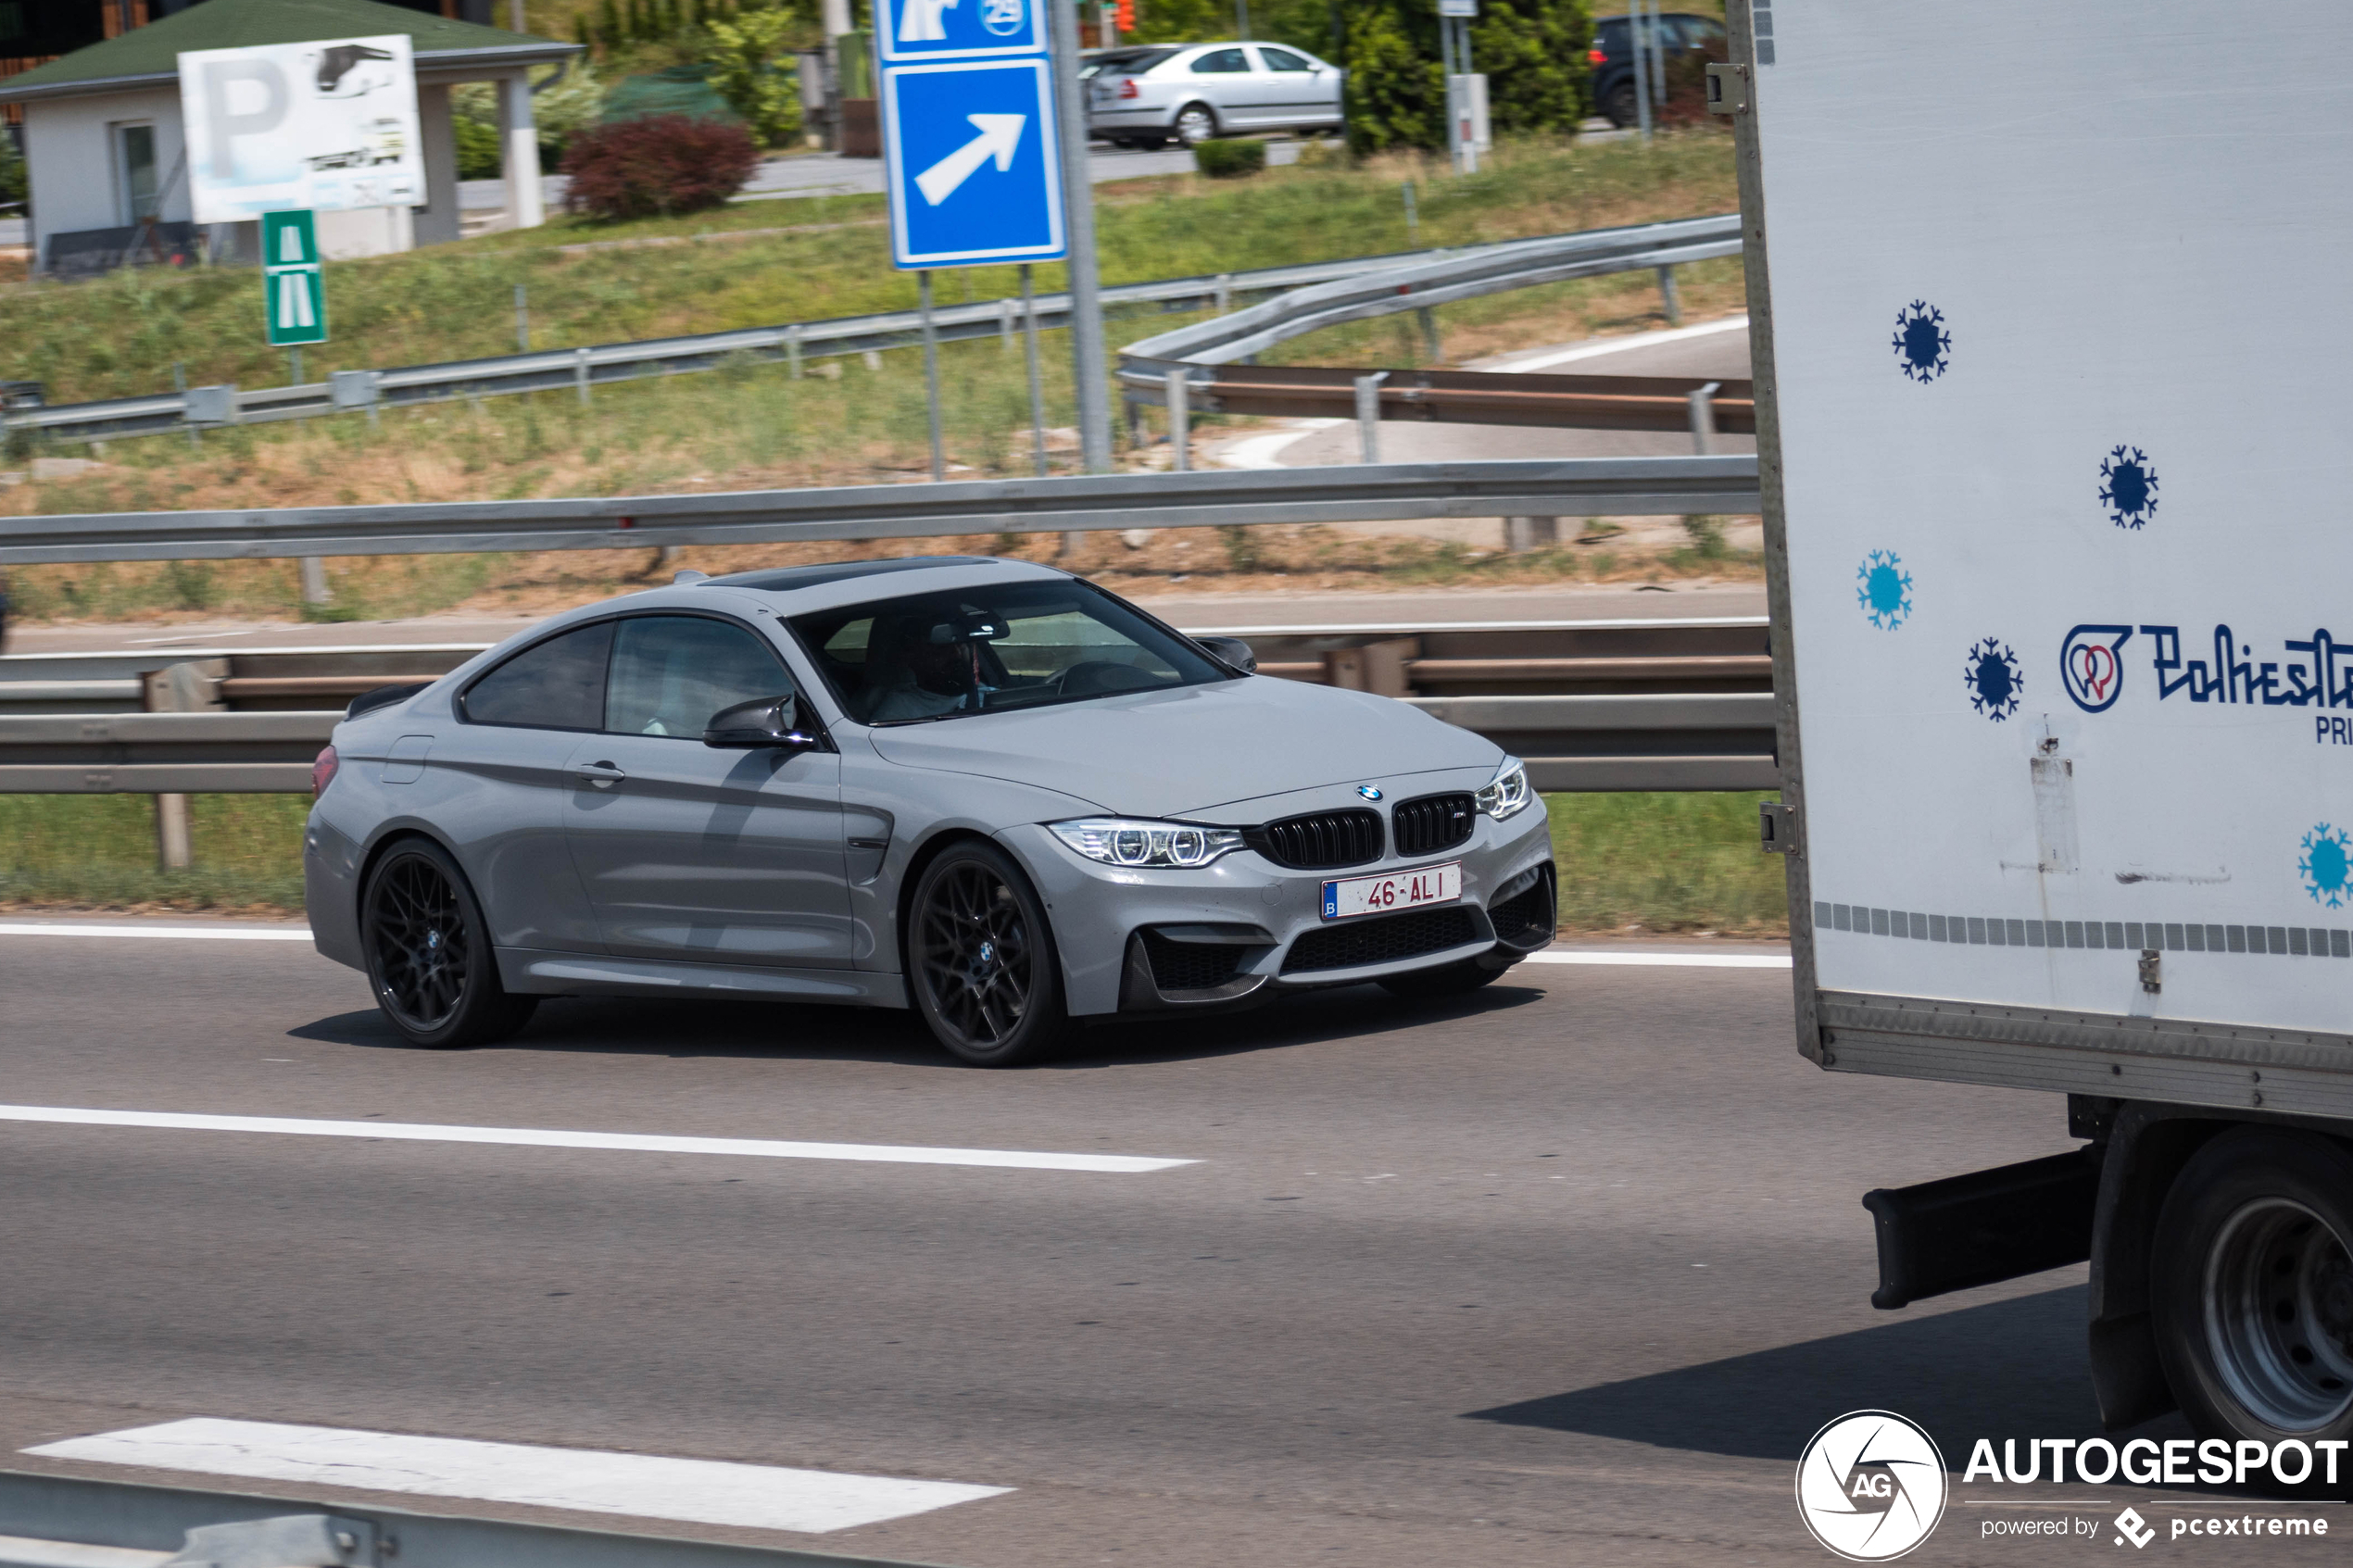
x=1266, y=451
x=1660, y=960
x=193, y=933
x=550, y=1138
x=757, y=1497
x=1545, y=360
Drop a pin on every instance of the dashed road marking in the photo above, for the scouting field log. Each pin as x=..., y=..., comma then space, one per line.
x=550, y=1138
x=190, y=932
x=1612, y=956
x=757, y=1497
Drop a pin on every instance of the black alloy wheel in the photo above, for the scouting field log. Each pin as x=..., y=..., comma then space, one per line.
x=982, y=958
x=428, y=950
x=2251, y=1290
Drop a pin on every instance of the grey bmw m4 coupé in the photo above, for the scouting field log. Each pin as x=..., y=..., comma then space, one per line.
x=987, y=790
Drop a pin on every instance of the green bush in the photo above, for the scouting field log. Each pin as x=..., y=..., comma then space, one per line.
x=1229, y=157
x=751, y=71
x=559, y=112
x=1532, y=53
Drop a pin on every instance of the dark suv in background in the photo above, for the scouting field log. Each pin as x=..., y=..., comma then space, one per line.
x=1612, y=58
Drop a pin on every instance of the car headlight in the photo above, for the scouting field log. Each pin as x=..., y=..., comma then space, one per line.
x=1116, y=841
x=1507, y=792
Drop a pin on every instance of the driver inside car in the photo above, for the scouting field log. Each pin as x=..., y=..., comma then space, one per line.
x=933, y=667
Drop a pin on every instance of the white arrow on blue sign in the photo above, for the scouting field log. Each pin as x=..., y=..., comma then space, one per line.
x=970, y=147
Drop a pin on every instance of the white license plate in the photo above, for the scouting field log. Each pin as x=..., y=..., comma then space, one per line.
x=1393, y=891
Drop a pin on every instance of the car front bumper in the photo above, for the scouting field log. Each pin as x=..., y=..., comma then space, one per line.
x=1244, y=928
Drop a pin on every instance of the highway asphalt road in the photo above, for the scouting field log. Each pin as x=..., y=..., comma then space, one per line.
x=1565, y=1272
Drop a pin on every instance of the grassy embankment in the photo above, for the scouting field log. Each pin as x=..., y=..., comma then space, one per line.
x=750, y=426
x=1667, y=863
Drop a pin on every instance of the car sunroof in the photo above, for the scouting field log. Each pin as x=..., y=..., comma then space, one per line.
x=783, y=577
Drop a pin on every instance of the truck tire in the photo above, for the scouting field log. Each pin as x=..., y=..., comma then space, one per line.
x=2251, y=1290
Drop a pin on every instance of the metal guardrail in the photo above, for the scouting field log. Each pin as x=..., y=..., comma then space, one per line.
x=582, y=369
x=1620, y=712
x=1519, y=264
x=1483, y=397
x=1353, y=493
x=70, y=1521
x=1459, y=658
x=1613, y=742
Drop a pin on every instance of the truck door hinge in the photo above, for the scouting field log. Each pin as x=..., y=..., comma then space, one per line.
x=1726, y=88
x=1777, y=827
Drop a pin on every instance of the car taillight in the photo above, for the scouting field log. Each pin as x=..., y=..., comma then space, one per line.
x=1127, y=87
x=1597, y=57
x=322, y=772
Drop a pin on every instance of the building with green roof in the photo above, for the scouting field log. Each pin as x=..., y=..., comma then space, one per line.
x=105, y=150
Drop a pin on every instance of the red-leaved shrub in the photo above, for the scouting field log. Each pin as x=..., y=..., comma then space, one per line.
x=657, y=167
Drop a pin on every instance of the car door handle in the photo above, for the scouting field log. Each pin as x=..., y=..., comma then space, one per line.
x=604, y=775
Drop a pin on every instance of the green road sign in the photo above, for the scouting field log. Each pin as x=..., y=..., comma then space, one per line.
x=294, y=291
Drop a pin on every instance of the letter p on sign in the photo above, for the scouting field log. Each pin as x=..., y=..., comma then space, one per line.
x=293, y=290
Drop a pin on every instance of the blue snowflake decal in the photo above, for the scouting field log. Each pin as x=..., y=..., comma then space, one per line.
x=2129, y=487
x=1993, y=679
x=2327, y=866
x=1886, y=591
x=1923, y=348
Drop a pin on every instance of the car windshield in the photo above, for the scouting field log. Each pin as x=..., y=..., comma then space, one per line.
x=976, y=650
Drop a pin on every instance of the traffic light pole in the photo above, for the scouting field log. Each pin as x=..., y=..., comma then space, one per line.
x=1090, y=376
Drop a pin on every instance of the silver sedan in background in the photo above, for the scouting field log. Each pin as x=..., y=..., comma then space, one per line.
x=984, y=789
x=1142, y=96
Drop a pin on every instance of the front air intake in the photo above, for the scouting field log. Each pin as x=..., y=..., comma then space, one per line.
x=1433, y=823
x=1320, y=841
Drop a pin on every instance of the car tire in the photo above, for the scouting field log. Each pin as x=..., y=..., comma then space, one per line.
x=981, y=959
x=2251, y=1289
x=1446, y=980
x=1195, y=122
x=430, y=961
x=1620, y=107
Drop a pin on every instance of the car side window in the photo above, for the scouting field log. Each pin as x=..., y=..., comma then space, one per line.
x=558, y=685
x=1282, y=59
x=1220, y=61
x=671, y=673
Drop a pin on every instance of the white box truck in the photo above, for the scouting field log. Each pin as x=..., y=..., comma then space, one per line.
x=2047, y=306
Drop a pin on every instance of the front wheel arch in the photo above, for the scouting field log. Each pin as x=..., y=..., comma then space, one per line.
x=1017, y=930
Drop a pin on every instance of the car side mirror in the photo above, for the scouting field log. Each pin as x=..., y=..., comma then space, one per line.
x=1232, y=651
x=765, y=721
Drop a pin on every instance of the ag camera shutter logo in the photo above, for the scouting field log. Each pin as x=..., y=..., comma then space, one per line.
x=1870, y=1485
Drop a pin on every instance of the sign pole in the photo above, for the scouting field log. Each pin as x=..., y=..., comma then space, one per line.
x=1091, y=378
x=1037, y=389
x=931, y=375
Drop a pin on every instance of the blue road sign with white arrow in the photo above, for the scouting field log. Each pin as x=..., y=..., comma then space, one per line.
x=969, y=149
